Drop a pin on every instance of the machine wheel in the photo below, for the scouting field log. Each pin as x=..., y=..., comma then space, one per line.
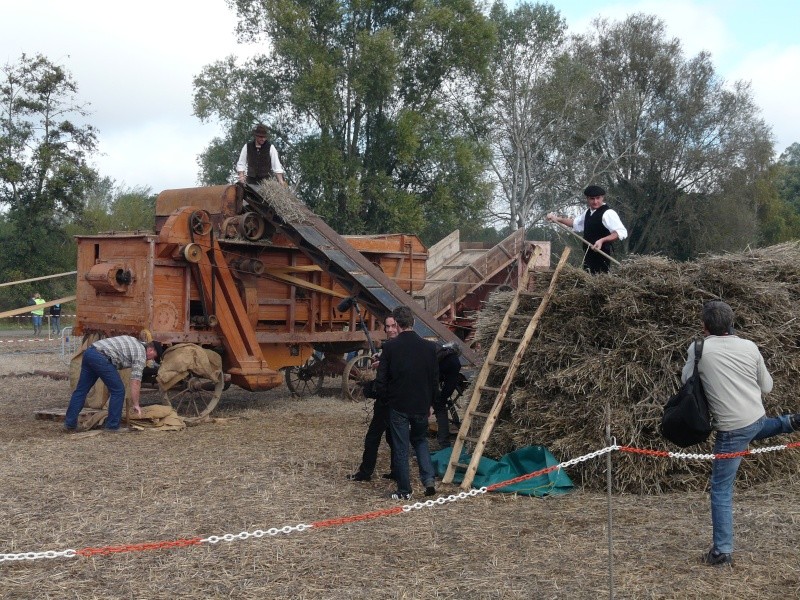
x=195, y=397
x=251, y=226
x=357, y=372
x=200, y=222
x=305, y=380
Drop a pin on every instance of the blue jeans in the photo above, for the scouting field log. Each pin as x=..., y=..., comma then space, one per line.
x=94, y=366
x=37, y=324
x=410, y=430
x=723, y=473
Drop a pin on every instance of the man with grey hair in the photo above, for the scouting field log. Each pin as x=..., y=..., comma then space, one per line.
x=734, y=377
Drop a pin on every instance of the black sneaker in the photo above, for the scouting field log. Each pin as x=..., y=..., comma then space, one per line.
x=794, y=421
x=399, y=496
x=717, y=559
x=359, y=476
x=389, y=476
x=430, y=491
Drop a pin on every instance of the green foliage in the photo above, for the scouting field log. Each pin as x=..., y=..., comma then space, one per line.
x=44, y=172
x=683, y=153
x=355, y=95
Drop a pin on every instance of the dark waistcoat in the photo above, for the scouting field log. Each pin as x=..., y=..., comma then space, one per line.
x=259, y=164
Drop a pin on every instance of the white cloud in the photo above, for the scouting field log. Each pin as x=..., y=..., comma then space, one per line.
x=773, y=72
x=134, y=64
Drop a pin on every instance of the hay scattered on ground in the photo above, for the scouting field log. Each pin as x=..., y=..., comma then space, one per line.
x=621, y=341
x=272, y=461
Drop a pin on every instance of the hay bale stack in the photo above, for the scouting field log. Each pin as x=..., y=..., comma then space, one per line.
x=623, y=339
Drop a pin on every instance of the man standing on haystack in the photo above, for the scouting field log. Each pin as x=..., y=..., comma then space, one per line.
x=734, y=377
x=259, y=160
x=600, y=226
x=408, y=379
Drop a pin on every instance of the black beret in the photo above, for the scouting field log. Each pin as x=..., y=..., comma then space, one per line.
x=594, y=190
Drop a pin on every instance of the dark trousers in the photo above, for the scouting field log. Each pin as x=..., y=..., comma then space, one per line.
x=378, y=427
x=410, y=431
x=449, y=374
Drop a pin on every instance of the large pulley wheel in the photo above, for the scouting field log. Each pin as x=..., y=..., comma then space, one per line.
x=357, y=372
x=251, y=226
x=200, y=222
x=305, y=380
x=195, y=397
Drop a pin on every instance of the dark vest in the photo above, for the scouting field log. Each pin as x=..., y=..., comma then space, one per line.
x=259, y=163
x=593, y=230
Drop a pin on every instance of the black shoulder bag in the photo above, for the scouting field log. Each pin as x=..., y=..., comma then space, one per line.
x=686, y=420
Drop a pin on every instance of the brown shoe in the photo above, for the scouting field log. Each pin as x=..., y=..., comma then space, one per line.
x=69, y=430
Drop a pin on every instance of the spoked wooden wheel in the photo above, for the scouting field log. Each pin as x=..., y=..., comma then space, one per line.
x=305, y=380
x=357, y=372
x=195, y=397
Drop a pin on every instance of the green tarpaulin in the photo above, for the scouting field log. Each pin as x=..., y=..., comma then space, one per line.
x=520, y=462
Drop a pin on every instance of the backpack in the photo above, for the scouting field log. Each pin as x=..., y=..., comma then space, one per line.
x=686, y=420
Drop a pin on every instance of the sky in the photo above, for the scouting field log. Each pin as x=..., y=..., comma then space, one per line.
x=134, y=63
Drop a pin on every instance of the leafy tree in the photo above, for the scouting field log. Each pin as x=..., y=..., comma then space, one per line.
x=789, y=176
x=110, y=207
x=354, y=92
x=526, y=113
x=43, y=166
x=685, y=152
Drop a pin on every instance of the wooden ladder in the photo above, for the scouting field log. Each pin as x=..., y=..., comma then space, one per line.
x=490, y=365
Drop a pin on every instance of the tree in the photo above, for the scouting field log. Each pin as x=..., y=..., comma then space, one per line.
x=526, y=113
x=109, y=207
x=354, y=92
x=44, y=171
x=685, y=151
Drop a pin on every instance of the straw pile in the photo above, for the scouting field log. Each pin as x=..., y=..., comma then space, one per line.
x=620, y=342
x=283, y=201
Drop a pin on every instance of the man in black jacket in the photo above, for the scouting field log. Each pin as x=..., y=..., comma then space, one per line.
x=379, y=425
x=408, y=378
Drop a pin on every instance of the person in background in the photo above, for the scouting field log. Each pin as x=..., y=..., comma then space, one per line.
x=55, y=318
x=734, y=378
x=408, y=378
x=102, y=360
x=600, y=226
x=259, y=159
x=449, y=376
x=379, y=425
x=37, y=314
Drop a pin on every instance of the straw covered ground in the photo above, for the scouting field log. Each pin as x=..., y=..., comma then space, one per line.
x=609, y=349
x=271, y=461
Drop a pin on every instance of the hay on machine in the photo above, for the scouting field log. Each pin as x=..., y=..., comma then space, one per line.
x=620, y=340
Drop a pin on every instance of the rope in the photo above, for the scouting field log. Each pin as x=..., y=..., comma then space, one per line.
x=38, y=278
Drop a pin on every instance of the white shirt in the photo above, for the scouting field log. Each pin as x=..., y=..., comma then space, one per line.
x=273, y=155
x=611, y=221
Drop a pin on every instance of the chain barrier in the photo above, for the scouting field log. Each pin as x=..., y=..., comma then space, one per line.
x=441, y=501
